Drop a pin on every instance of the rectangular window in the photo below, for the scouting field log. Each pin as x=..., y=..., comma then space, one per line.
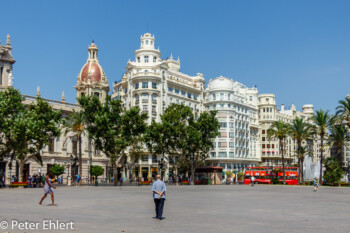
x=223, y=135
x=145, y=108
x=222, y=164
x=229, y=165
x=232, y=154
x=213, y=154
x=136, y=85
x=221, y=96
x=170, y=89
x=177, y=91
x=263, y=145
x=138, y=59
x=214, y=97
x=75, y=147
x=231, y=125
x=126, y=90
x=231, y=134
x=263, y=139
x=51, y=145
x=145, y=158
x=222, y=154
x=221, y=105
x=183, y=93
x=154, y=85
x=154, y=59
x=232, y=145
x=195, y=97
x=223, y=124
x=263, y=131
x=144, y=84
x=251, y=98
x=146, y=59
x=228, y=96
x=189, y=95
x=154, y=108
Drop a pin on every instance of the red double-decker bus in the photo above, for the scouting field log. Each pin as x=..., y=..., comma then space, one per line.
x=263, y=175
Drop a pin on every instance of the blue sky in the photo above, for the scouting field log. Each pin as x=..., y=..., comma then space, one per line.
x=298, y=50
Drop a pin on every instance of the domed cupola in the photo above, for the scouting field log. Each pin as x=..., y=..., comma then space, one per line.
x=92, y=79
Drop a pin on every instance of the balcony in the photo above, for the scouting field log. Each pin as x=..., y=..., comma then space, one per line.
x=144, y=100
x=154, y=101
x=154, y=113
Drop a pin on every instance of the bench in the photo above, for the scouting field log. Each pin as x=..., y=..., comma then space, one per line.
x=18, y=184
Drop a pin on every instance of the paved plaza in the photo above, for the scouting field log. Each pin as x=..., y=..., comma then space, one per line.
x=222, y=208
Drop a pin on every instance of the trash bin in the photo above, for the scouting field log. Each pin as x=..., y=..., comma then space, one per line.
x=96, y=183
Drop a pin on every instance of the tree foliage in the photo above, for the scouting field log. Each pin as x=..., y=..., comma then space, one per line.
x=75, y=124
x=279, y=130
x=57, y=169
x=300, y=130
x=96, y=170
x=322, y=121
x=112, y=128
x=26, y=130
x=343, y=110
x=333, y=172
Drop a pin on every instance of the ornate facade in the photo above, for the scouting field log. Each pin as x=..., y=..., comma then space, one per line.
x=6, y=62
x=64, y=149
x=152, y=84
x=238, y=144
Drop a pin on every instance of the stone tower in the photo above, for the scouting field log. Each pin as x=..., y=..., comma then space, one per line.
x=6, y=62
x=92, y=79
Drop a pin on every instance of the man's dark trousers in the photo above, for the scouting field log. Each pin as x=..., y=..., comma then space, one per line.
x=159, y=207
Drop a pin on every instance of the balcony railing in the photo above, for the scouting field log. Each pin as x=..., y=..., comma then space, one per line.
x=144, y=100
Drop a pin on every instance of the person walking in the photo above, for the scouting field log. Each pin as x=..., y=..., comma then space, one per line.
x=48, y=190
x=315, y=184
x=252, y=179
x=159, y=189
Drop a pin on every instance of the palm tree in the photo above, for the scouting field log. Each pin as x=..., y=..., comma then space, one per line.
x=338, y=139
x=75, y=124
x=279, y=130
x=343, y=110
x=300, y=130
x=322, y=121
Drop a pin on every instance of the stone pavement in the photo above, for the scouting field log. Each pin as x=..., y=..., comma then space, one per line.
x=222, y=208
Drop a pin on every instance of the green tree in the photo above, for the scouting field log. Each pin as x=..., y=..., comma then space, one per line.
x=279, y=130
x=322, y=122
x=112, y=128
x=96, y=171
x=57, y=169
x=343, y=110
x=338, y=139
x=26, y=130
x=229, y=174
x=75, y=124
x=300, y=130
x=334, y=171
x=183, y=137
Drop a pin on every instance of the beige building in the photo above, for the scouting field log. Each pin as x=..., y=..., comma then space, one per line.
x=268, y=113
x=64, y=149
x=152, y=84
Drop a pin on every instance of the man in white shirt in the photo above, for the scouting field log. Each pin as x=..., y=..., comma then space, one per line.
x=252, y=179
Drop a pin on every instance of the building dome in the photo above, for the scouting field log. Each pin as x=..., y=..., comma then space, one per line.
x=221, y=83
x=95, y=71
x=92, y=70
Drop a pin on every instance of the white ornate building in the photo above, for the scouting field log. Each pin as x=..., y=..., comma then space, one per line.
x=152, y=84
x=238, y=144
